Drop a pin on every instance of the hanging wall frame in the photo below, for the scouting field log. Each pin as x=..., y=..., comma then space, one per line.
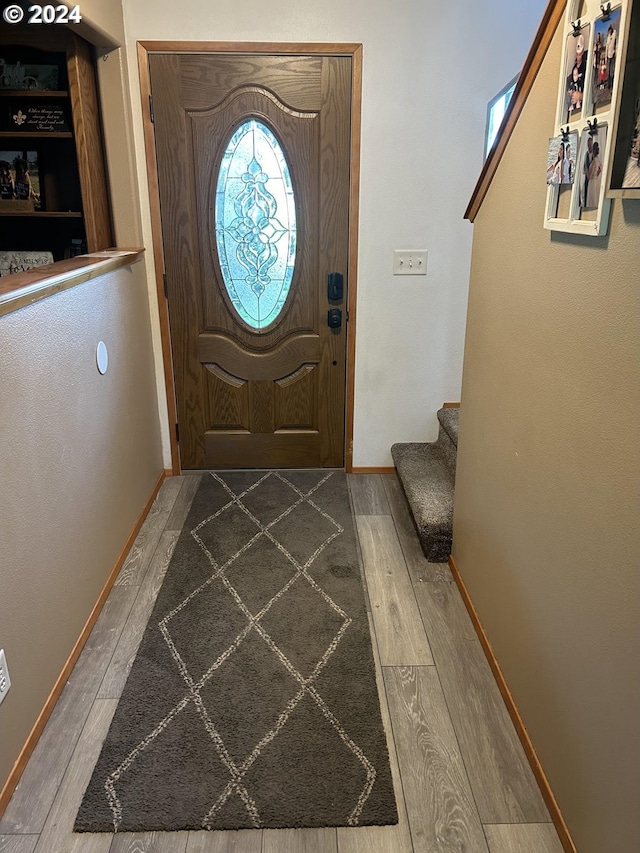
x=624, y=164
x=591, y=75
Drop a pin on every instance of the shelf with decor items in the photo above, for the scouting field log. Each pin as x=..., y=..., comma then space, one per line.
x=53, y=189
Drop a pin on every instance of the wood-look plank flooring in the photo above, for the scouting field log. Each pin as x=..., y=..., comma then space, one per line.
x=460, y=776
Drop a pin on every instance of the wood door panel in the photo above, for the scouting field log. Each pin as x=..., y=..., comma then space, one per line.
x=335, y=192
x=334, y=242
x=297, y=79
x=275, y=364
x=261, y=407
x=299, y=136
x=229, y=400
x=249, y=397
x=296, y=400
x=178, y=213
x=280, y=450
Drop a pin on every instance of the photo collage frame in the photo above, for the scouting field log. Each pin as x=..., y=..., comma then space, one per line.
x=20, y=184
x=591, y=73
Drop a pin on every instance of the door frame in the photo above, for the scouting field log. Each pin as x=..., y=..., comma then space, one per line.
x=354, y=51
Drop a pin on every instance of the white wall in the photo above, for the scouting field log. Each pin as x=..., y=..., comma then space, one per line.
x=429, y=71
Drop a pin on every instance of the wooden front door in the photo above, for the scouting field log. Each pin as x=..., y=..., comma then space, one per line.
x=249, y=246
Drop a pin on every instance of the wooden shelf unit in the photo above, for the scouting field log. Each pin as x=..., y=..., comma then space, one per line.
x=32, y=93
x=70, y=163
x=29, y=134
x=71, y=214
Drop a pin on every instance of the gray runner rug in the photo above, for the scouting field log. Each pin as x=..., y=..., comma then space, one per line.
x=252, y=700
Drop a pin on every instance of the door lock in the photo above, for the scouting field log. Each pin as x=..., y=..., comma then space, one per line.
x=335, y=286
x=334, y=318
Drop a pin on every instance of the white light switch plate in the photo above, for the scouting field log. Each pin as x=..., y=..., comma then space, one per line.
x=410, y=262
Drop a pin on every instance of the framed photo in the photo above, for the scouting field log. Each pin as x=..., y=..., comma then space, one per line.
x=20, y=184
x=591, y=169
x=631, y=179
x=623, y=177
x=561, y=159
x=576, y=59
x=591, y=70
x=606, y=43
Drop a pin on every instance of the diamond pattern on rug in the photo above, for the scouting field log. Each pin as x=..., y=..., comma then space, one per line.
x=312, y=625
x=242, y=724
x=259, y=573
x=304, y=481
x=223, y=535
x=267, y=504
x=240, y=482
x=303, y=531
x=197, y=640
x=250, y=737
x=171, y=754
x=309, y=781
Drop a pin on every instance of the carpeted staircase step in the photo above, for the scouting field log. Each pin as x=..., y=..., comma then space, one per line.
x=449, y=421
x=428, y=482
x=448, y=435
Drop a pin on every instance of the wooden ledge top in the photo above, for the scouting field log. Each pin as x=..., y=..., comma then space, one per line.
x=25, y=288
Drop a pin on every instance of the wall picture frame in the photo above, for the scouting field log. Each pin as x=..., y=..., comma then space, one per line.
x=589, y=92
x=28, y=115
x=623, y=177
x=631, y=177
x=21, y=185
x=562, y=159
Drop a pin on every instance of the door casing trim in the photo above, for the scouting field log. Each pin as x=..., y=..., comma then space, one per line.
x=353, y=50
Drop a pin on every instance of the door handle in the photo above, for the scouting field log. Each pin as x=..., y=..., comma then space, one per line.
x=335, y=286
x=334, y=318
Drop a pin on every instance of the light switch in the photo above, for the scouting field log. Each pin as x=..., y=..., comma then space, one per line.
x=410, y=262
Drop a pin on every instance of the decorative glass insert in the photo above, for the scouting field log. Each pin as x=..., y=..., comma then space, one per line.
x=255, y=224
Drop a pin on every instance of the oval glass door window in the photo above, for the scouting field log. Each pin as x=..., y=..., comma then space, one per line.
x=255, y=224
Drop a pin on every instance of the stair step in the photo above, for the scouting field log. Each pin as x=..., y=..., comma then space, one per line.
x=449, y=420
x=428, y=484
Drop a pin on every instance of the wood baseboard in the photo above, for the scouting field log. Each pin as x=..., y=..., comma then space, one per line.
x=363, y=469
x=36, y=731
x=451, y=405
x=538, y=772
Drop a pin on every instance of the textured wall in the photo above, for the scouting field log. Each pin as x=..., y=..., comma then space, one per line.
x=79, y=456
x=547, y=504
x=428, y=74
x=104, y=16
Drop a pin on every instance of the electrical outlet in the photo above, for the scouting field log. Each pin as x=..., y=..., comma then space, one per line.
x=5, y=681
x=410, y=262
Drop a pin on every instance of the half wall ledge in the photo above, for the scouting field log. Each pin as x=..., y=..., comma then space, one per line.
x=25, y=288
